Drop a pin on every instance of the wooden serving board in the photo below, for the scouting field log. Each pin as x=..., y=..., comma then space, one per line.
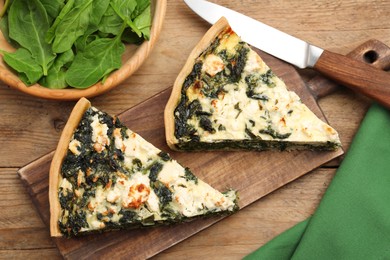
x=253, y=174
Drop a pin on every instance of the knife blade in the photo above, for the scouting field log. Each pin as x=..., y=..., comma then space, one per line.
x=357, y=75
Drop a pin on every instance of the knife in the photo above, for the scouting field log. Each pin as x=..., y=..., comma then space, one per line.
x=357, y=75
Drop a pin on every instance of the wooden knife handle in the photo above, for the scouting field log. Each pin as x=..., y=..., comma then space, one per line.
x=357, y=75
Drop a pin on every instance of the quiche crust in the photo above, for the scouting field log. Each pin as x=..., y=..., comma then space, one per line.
x=55, y=168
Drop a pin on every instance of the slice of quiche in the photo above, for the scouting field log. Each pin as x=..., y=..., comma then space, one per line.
x=226, y=97
x=104, y=176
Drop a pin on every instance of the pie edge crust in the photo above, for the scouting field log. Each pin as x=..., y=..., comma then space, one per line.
x=55, y=168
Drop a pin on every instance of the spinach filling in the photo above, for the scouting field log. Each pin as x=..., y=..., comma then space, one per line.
x=210, y=86
x=189, y=176
x=98, y=169
x=273, y=133
x=91, y=170
x=190, y=116
x=255, y=80
x=252, y=144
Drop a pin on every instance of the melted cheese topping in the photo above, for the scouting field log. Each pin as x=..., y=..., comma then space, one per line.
x=146, y=180
x=212, y=65
x=258, y=104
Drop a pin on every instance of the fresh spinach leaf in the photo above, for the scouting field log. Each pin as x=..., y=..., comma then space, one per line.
x=124, y=9
x=111, y=23
x=143, y=22
x=99, y=8
x=81, y=19
x=72, y=26
x=98, y=59
x=141, y=6
x=136, y=13
x=57, y=72
x=53, y=7
x=28, y=23
x=23, y=62
x=84, y=40
x=51, y=33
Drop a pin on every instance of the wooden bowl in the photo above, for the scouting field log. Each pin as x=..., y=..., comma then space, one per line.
x=132, y=59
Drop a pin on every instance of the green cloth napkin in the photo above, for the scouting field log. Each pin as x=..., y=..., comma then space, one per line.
x=353, y=218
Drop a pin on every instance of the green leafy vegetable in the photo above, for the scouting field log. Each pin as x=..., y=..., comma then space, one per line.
x=51, y=33
x=57, y=72
x=23, y=62
x=140, y=8
x=72, y=26
x=28, y=22
x=98, y=59
x=99, y=8
x=53, y=7
x=111, y=22
x=124, y=9
x=143, y=22
x=71, y=43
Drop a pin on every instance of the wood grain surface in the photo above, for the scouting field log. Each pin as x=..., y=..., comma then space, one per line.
x=252, y=174
x=30, y=127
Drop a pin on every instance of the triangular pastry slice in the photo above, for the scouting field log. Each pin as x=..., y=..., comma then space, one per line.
x=104, y=176
x=226, y=97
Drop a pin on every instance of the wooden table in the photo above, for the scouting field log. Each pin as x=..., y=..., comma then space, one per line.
x=30, y=127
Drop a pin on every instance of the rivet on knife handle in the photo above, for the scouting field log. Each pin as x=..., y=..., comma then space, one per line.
x=357, y=75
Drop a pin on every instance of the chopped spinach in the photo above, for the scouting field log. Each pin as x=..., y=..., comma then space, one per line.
x=85, y=199
x=253, y=81
x=206, y=124
x=162, y=192
x=128, y=216
x=189, y=176
x=237, y=64
x=250, y=134
x=273, y=133
x=221, y=127
x=253, y=95
x=203, y=113
x=237, y=107
x=212, y=86
x=194, y=108
x=137, y=164
x=75, y=221
x=64, y=199
x=74, y=43
x=154, y=170
x=267, y=78
x=164, y=156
